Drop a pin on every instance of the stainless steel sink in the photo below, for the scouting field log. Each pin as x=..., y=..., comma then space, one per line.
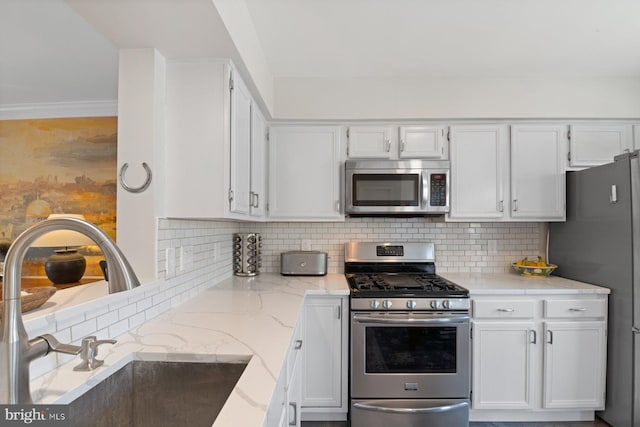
x=145, y=393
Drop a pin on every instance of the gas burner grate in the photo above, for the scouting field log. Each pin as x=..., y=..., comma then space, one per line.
x=416, y=284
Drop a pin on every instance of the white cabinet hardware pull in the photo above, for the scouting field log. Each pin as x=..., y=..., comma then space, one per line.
x=501, y=206
x=253, y=199
x=533, y=335
x=402, y=145
x=505, y=310
x=550, y=340
x=578, y=309
x=515, y=205
x=294, y=411
x=388, y=145
x=140, y=189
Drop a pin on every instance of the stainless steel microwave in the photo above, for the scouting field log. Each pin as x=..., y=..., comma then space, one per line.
x=390, y=187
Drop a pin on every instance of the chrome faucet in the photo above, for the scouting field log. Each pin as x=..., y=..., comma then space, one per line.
x=16, y=350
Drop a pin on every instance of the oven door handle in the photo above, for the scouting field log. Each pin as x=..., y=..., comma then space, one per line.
x=417, y=320
x=431, y=410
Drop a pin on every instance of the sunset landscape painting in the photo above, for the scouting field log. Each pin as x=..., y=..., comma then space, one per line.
x=62, y=165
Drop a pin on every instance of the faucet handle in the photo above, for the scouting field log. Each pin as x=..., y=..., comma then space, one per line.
x=57, y=346
x=89, y=352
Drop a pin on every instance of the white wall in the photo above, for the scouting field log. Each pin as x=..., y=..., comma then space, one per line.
x=423, y=98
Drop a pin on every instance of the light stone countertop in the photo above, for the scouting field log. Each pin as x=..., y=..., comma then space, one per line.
x=515, y=284
x=249, y=320
x=238, y=320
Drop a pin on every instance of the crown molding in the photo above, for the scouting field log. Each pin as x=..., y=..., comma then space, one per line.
x=59, y=110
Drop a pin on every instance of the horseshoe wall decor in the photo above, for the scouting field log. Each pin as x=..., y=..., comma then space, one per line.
x=140, y=189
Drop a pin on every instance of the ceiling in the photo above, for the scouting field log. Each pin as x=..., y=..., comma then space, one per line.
x=49, y=53
x=492, y=38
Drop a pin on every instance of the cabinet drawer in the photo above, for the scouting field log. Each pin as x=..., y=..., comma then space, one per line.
x=503, y=309
x=575, y=308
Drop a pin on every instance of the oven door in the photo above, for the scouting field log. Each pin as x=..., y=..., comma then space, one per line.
x=410, y=355
x=410, y=413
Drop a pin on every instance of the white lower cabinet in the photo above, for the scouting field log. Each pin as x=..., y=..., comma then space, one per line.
x=284, y=409
x=504, y=365
x=324, y=358
x=538, y=358
x=574, y=356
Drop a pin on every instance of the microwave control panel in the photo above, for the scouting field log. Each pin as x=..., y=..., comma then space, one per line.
x=438, y=189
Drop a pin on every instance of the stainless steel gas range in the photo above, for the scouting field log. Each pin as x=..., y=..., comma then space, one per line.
x=410, y=352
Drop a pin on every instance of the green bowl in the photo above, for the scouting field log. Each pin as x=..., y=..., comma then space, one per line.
x=534, y=271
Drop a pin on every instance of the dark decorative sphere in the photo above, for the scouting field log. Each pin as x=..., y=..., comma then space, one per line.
x=65, y=266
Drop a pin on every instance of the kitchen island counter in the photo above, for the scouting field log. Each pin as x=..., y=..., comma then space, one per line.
x=240, y=320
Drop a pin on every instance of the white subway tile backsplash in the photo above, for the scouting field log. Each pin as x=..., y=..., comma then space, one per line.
x=81, y=330
x=459, y=246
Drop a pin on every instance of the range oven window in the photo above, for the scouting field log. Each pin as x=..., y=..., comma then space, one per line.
x=386, y=189
x=410, y=350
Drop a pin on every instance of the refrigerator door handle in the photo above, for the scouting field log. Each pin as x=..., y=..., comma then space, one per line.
x=613, y=197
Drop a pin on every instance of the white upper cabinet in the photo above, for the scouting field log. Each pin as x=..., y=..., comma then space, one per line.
x=396, y=142
x=208, y=146
x=538, y=172
x=597, y=144
x=424, y=142
x=258, y=193
x=305, y=173
x=241, y=115
x=499, y=176
x=369, y=142
x=479, y=171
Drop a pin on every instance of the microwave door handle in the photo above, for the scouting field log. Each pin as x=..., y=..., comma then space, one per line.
x=424, y=190
x=435, y=409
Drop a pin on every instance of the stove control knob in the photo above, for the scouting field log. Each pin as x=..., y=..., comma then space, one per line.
x=386, y=304
x=375, y=304
x=411, y=304
x=446, y=304
x=435, y=303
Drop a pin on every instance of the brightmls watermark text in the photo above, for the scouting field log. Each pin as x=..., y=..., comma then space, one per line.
x=34, y=415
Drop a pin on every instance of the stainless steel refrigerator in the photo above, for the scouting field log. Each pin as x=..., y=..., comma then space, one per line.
x=600, y=244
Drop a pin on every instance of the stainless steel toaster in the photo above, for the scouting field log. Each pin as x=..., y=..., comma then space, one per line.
x=303, y=263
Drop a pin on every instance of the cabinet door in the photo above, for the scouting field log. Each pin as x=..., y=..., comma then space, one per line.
x=304, y=173
x=322, y=353
x=479, y=171
x=294, y=396
x=369, y=142
x=503, y=365
x=421, y=142
x=537, y=172
x=574, y=364
x=592, y=145
x=239, y=197
x=258, y=199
